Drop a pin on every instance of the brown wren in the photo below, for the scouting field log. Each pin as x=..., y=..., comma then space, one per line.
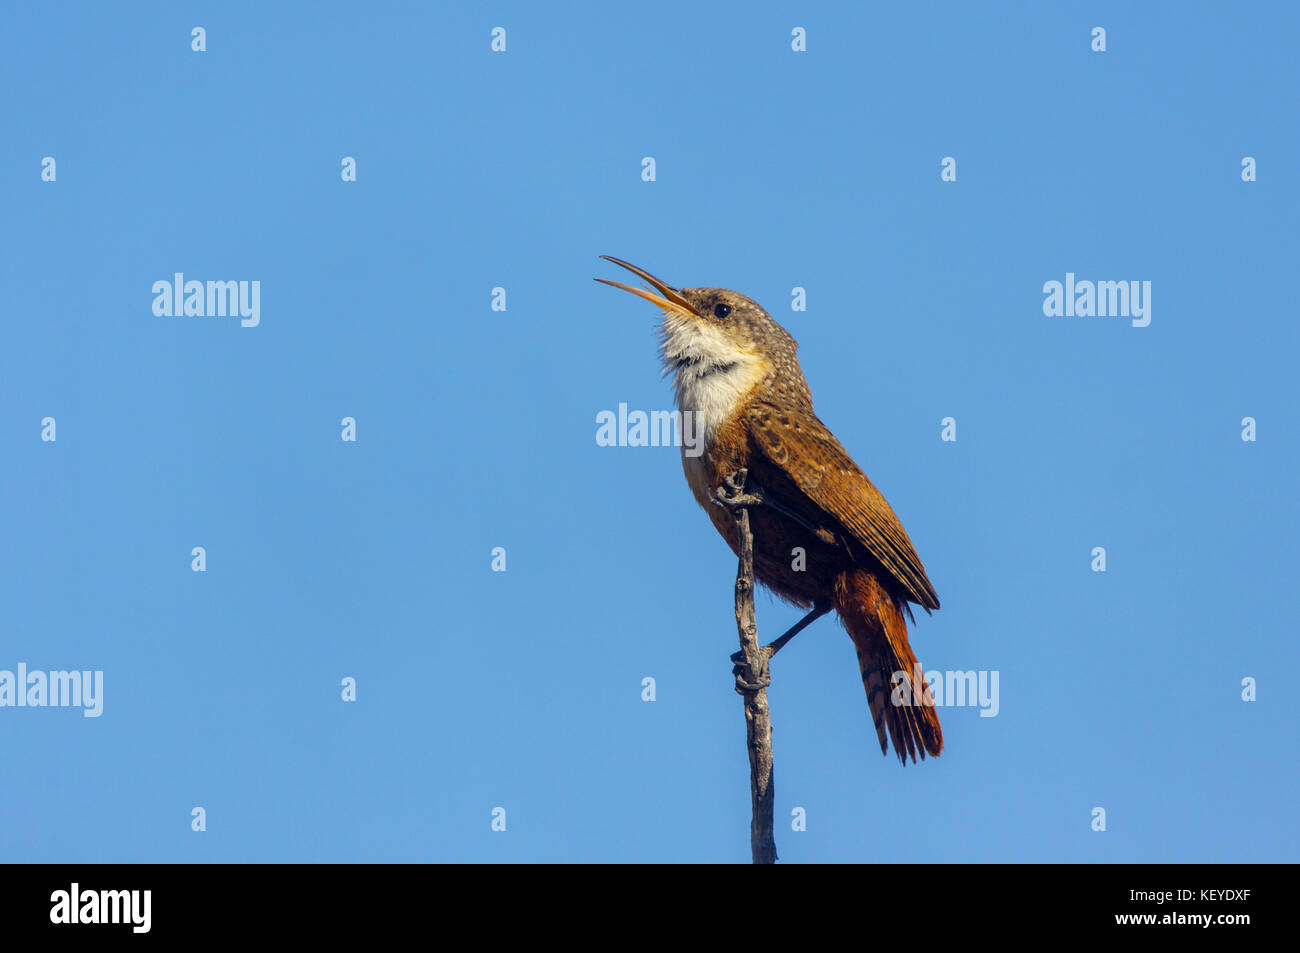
x=735, y=370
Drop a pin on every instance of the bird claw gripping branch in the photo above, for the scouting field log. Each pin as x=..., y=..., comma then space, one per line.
x=735, y=491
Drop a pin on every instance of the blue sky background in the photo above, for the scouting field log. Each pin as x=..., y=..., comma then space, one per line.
x=477, y=428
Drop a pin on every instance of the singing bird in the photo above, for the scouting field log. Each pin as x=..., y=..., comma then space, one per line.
x=735, y=370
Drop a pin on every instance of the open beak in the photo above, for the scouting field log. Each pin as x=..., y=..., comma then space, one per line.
x=671, y=299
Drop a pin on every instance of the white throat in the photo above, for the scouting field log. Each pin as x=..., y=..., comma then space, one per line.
x=711, y=376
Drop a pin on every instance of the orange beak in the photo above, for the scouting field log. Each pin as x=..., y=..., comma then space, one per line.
x=671, y=299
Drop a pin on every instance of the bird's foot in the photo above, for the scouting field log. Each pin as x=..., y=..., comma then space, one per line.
x=750, y=679
x=735, y=491
x=746, y=687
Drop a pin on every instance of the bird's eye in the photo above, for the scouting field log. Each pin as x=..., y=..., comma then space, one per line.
x=721, y=310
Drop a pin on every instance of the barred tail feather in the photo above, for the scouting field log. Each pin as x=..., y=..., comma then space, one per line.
x=874, y=620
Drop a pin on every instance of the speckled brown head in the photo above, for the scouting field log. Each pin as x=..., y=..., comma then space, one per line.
x=719, y=346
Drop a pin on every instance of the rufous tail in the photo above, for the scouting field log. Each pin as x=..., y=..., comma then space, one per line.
x=875, y=622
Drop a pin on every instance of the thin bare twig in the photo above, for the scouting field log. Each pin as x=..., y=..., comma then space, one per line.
x=752, y=678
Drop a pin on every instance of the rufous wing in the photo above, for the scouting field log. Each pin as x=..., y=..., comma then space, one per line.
x=800, y=446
